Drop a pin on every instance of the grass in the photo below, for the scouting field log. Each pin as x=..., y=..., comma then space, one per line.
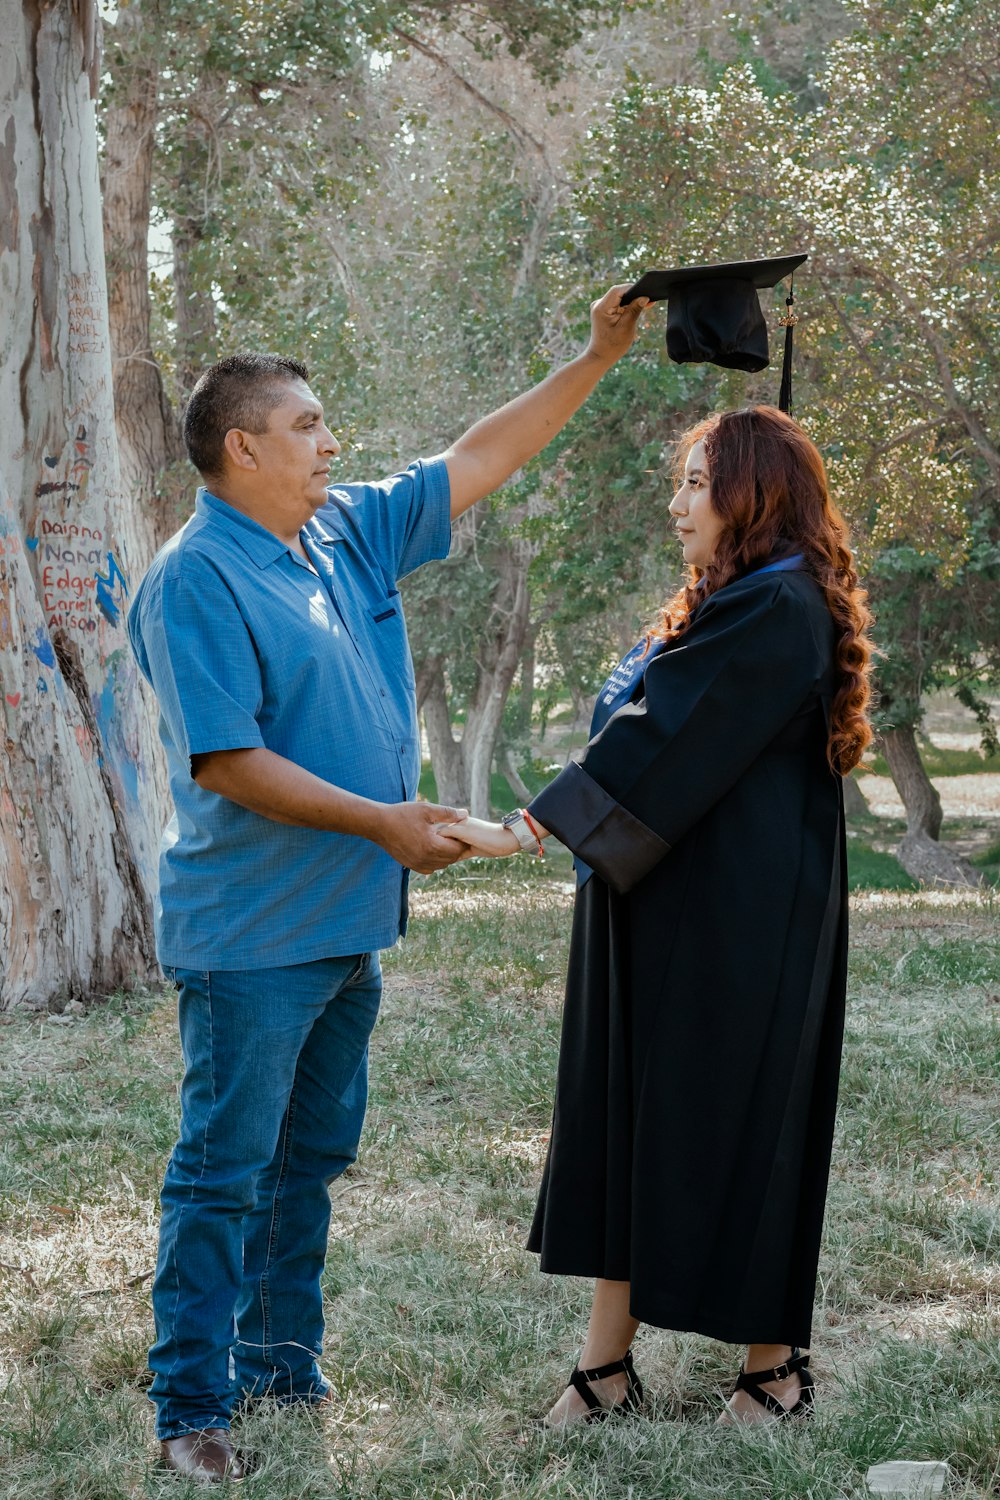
x=535, y=775
x=443, y=1339
x=988, y=860
x=871, y=869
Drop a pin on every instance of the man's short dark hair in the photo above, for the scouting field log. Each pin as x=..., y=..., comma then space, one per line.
x=240, y=391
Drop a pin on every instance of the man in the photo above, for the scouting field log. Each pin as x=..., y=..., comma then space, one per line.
x=271, y=630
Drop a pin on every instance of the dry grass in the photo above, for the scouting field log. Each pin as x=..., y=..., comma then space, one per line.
x=443, y=1340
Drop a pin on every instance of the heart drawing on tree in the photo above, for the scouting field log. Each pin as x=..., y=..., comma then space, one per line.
x=13, y=699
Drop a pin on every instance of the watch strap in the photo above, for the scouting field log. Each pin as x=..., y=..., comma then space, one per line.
x=522, y=830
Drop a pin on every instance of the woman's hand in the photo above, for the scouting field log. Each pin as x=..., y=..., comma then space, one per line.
x=480, y=837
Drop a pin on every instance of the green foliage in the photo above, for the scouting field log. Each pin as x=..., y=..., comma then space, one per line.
x=884, y=176
x=605, y=548
x=938, y=623
x=540, y=32
x=428, y=255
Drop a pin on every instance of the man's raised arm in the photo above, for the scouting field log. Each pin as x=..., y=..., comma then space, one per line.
x=495, y=447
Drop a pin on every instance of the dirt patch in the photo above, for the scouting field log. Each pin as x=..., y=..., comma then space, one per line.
x=976, y=796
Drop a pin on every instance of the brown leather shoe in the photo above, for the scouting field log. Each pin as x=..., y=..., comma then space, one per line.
x=207, y=1455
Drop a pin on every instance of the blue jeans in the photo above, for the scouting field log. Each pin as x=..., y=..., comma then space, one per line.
x=272, y=1103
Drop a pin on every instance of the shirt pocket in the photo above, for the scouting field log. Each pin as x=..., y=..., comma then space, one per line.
x=387, y=609
x=388, y=631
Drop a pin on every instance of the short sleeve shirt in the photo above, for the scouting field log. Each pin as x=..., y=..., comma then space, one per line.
x=246, y=647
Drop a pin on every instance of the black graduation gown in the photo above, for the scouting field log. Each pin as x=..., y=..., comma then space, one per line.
x=704, y=1012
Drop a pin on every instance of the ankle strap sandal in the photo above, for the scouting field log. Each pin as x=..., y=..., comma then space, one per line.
x=630, y=1402
x=797, y=1362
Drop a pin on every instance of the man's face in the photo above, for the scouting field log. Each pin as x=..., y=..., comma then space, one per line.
x=294, y=454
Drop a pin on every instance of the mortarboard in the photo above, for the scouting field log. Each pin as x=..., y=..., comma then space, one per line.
x=714, y=314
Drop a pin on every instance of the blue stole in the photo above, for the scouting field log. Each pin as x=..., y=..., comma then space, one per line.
x=621, y=687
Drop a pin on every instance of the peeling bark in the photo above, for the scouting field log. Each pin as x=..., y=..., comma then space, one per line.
x=80, y=816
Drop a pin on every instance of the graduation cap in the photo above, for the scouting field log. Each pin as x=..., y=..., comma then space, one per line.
x=714, y=314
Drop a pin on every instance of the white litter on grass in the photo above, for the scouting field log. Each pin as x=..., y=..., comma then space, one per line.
x=913, y=1480
x=521, y=1145
x=982, y=900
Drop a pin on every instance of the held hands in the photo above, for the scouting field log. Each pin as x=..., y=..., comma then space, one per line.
x=425, y=837
x=476, y=836
x=613, y=327
x=413, y=833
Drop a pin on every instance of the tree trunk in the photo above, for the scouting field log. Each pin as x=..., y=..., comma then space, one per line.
x=919, y=797
x=446, y=752
x=528, y=667
x=485, y=715
x=520, y=723
x=462, y=768
x=920, y=854
x=148, y=431
x=518, y=715
x=855, y=805
x=194, y=310
x=933, y=863
x=513, y=778
x=80, y=826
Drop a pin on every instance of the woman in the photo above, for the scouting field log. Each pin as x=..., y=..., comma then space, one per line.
x=702, y=1032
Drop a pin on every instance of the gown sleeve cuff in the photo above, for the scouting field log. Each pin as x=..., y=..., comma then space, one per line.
x=601, y=832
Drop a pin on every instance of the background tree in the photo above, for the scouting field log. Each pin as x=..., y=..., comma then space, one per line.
x=203, y=130
x=943, y=619
x=147, y=426
x=482, y=160
x=422, y=205
x=877, y=169
x=437, y=150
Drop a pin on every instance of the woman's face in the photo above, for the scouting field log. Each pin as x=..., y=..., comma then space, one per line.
x=696, y=523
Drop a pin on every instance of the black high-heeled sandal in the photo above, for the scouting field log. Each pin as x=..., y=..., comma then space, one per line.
x=752, y=1381
x=627, y=1406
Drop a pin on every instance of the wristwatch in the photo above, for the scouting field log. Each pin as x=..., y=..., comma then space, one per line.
x=523, y=831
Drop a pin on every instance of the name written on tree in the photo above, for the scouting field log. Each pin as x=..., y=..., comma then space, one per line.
x=71, y=558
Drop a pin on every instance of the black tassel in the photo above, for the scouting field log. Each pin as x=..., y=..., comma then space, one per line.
x=789, y=320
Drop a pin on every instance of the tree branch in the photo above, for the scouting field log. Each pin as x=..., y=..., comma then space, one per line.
x=448, y=67
x=969, y=418
x=914, y=430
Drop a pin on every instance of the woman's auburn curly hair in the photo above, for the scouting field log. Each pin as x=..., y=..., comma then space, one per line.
x=769, y=487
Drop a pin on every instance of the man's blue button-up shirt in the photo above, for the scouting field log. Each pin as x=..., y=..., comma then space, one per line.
x=245, y=647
